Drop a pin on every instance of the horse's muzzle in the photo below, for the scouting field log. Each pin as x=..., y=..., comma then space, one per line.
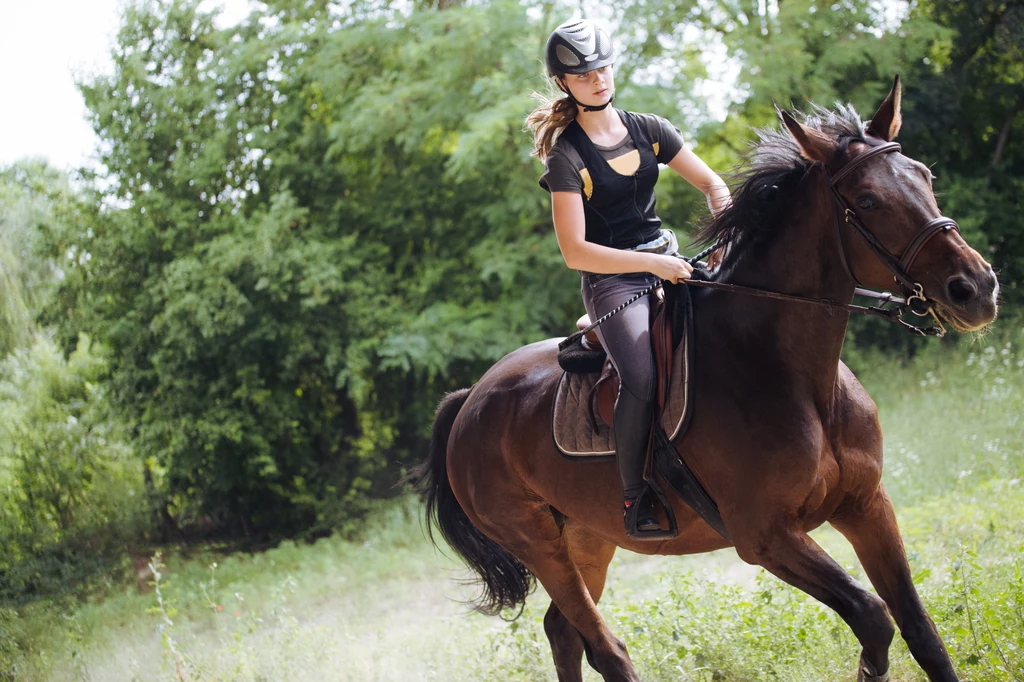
x=971, y=298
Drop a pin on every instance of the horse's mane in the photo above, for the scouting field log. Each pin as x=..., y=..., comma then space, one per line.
x=774, y=167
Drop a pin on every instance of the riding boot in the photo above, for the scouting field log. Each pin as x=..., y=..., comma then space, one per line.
x=632, y=418
x=643, y=510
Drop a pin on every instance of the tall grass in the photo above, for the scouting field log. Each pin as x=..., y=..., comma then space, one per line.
x=386, y=607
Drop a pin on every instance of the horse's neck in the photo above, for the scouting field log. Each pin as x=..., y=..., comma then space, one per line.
x=801, y=257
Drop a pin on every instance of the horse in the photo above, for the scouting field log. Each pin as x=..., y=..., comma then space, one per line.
x=782, y=436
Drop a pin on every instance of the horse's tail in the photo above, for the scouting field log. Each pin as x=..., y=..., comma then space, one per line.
x=506, y=582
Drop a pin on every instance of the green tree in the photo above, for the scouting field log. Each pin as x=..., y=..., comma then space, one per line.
x=72, y=490
x=32, y=196
x=316, y=224
x=965, y=101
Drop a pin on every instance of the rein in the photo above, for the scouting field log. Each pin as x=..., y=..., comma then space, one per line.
x=914, y=299
x=893, y=314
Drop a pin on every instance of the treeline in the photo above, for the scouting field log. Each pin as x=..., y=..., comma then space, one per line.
x=312, y=224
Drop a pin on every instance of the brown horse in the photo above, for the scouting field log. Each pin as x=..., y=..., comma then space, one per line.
x=783, y=436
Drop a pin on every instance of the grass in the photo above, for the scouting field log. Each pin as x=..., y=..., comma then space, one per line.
x=387, y=608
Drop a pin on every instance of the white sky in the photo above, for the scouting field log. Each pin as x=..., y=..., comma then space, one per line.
x=43, y=44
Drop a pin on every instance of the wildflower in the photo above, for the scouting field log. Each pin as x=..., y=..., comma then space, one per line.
x=220, y=607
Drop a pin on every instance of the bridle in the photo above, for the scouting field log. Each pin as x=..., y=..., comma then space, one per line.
x=913, y=291
x=914, y=298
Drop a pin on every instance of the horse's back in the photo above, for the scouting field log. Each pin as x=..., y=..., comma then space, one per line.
x=526, y=371
x=511, y=401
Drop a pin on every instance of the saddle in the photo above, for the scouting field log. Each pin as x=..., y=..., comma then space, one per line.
x=585, y=399
x=582, y=415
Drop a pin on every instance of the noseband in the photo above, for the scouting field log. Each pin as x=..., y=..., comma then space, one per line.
x=898, y=266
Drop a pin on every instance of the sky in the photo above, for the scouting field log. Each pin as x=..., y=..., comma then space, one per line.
x=43, y=45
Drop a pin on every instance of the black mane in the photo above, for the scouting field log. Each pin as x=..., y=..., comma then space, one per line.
x=775, y=166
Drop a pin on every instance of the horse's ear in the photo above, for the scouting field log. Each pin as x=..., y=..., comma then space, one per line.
x=887, y=120
x=814, y=145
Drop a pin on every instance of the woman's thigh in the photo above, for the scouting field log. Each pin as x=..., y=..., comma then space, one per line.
x=626, y=335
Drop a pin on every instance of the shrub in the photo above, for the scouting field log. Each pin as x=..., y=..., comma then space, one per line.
x=72, y=489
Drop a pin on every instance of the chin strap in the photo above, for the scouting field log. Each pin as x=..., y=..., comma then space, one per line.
x=598, y=108
x=585, y=107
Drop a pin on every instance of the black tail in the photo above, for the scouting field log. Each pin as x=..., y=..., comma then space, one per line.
x=506, y=582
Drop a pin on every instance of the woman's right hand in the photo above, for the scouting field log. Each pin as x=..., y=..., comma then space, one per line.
x=671, y=268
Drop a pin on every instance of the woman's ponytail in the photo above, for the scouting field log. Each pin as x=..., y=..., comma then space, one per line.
x=548, y=120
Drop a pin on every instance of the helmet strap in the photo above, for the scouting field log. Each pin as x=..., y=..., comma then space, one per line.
x=601, y=107
x=568, y=93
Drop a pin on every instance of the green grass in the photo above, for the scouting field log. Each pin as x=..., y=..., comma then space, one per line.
x=387, y=608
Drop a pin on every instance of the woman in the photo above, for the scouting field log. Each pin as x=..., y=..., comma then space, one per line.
x=601, y=165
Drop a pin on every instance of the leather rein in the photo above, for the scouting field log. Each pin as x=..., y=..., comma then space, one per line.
x=913, y=300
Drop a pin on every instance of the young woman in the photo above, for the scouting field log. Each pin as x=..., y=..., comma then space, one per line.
x=601, y=165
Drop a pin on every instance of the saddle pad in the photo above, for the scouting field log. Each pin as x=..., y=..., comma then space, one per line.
x=573, y=424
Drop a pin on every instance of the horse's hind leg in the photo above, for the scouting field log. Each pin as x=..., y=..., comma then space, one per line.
x=793, y=556
x=539, y=544
x=871, y=528
x=591, y=556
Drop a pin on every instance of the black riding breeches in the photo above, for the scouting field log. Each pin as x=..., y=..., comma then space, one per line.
x=627, y=340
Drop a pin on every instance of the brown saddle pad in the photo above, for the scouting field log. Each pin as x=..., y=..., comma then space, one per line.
x=581, y=423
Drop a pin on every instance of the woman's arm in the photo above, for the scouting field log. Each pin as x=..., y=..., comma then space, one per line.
x=697, y=173
x=579, y=254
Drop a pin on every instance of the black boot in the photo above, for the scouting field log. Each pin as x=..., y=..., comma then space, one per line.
x=632, y=429
x=643, y=519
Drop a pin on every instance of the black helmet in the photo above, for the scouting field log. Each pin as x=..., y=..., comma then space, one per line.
x=578, y=47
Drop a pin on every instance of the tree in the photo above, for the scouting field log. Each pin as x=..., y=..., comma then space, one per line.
x=315, y=225
x=32, y=197
x=965, y=100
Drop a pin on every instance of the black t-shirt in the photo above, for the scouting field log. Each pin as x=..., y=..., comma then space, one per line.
x=565, y=172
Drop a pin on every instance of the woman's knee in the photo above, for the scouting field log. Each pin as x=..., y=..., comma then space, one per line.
x=638, y=381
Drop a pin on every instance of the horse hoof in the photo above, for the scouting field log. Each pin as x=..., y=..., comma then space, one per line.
x=866, y=673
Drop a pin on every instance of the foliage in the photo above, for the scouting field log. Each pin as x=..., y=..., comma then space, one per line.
x=749, y=57
x=311, y=233
x=72, y=491
x=32, y=196
x=964, y=105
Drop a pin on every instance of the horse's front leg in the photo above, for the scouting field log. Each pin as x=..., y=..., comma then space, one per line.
x=870, y=526
x=788, y=552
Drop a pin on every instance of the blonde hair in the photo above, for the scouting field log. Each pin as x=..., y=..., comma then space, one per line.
x=548, y=120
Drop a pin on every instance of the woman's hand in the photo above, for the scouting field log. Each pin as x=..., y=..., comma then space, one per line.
x=671, y=268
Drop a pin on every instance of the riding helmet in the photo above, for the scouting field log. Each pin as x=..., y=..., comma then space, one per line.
x=578, y=46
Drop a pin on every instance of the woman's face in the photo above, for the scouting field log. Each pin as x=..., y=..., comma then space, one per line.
x=593, y=88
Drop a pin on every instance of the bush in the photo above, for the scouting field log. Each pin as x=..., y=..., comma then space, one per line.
x=72, y=489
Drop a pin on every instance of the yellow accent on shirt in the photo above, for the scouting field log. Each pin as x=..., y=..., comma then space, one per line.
x=627, y=164
x=588, y=184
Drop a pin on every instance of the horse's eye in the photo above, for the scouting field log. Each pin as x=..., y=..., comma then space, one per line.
x=867, y=202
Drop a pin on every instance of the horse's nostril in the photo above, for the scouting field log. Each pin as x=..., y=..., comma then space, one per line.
x=961, y=290
x=990, y=279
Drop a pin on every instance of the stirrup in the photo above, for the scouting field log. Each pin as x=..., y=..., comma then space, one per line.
x=633, y=513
